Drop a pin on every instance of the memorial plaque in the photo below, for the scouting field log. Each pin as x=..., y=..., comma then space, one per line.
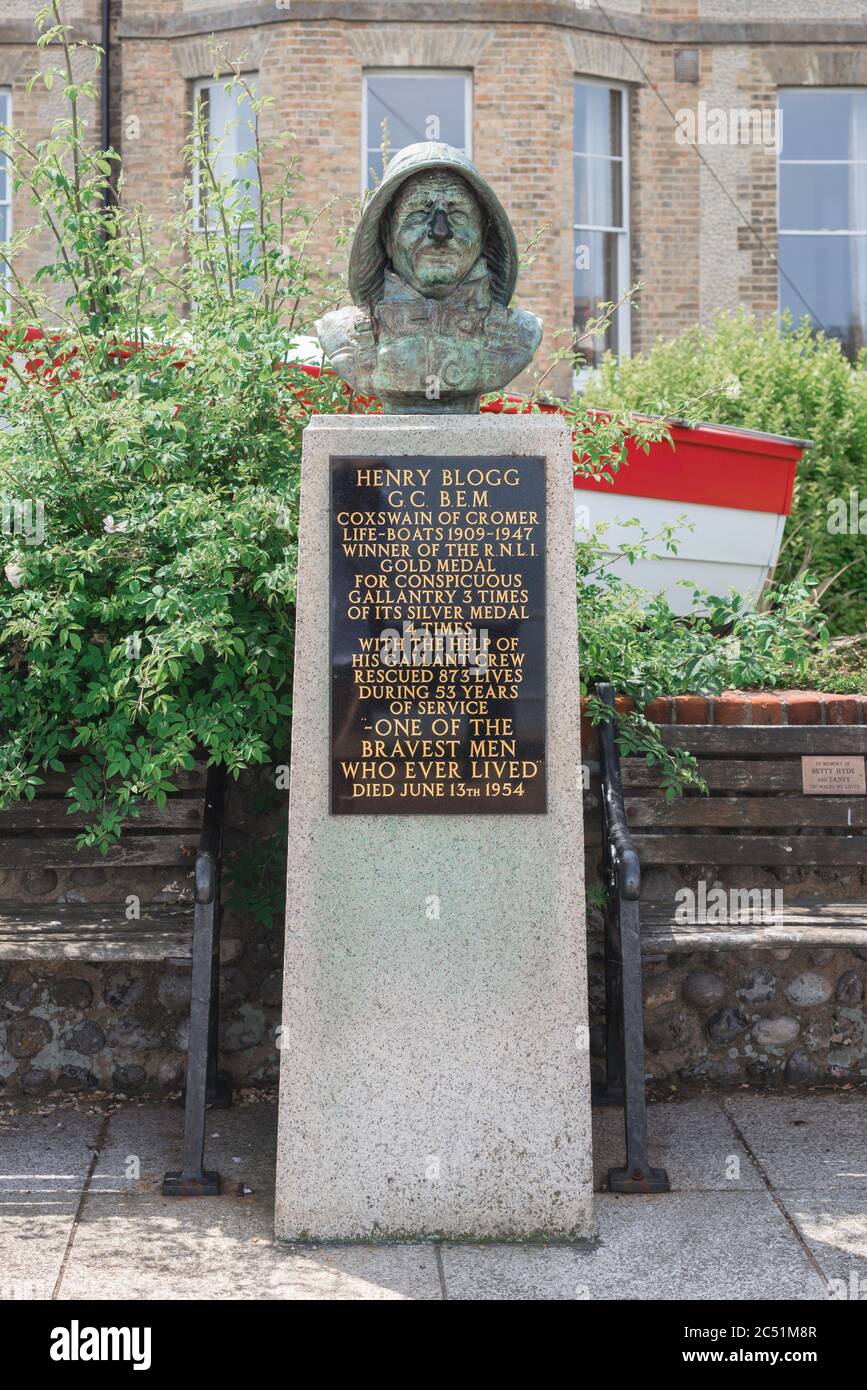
x=833, y=776
x=437, y=635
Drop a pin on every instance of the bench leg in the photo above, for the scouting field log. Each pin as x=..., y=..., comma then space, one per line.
x=610, y=1092
x=218, y=1094
x=193, y=1180
x=637, y=1175
x=219, y=1088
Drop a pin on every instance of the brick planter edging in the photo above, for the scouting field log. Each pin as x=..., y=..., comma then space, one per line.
x=759, y=707
x=734, y=707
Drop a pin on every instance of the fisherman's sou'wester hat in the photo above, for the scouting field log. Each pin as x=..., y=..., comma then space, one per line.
x=368, y=258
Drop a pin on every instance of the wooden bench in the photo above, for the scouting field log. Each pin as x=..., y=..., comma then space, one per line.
x=755, y=814
x=185, y=834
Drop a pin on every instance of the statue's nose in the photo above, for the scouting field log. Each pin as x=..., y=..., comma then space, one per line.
x=440, y=227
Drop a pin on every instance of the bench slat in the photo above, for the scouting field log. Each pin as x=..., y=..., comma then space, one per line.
x=57, y=783
x=751, y=849
x=811, y=922
x=48, y=814
x=722, y=775
x=767, y=740
x=53, y=851
x=95, y=931
x=760, y=811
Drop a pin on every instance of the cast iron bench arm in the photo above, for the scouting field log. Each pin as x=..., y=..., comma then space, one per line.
x=205, y=1086
x=624, y=863
x=208, y=853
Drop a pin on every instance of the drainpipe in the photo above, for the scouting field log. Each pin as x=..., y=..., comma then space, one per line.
x=108, y=195
x=105, y=118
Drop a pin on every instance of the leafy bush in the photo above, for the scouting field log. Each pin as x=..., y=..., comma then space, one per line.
x=740, y=371
x=149, y=461
x=840, y=670
x=635, y=641
x=150, y=464
x=150, y=468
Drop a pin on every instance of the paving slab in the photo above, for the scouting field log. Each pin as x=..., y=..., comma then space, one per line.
x=134, y=1243
x=693, y=1140
x=709, y=1245
x=815, y=1142
x=44, y=1160
x=145, y=1139
x=834, y=1225
x=713, y=1237
x=143, y=1246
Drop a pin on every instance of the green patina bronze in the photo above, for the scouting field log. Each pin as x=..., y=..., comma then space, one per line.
x=432, y=268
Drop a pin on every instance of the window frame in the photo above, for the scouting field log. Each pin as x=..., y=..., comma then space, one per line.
x=200, y=84
x=817, y=231
x=623, y=317
x=465, y=73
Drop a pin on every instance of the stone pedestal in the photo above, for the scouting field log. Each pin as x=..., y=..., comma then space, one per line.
x=434, y=1063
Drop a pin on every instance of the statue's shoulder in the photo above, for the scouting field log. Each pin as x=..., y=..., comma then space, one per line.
x=347, y=341
x=527, y=328
x=340, y=329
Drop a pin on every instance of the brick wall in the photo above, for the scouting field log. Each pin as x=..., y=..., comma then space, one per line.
x=122, y=1026
x=742, y=707
x=666, y=235
x=760, y=707
x=703, y=228
x=790, y=1016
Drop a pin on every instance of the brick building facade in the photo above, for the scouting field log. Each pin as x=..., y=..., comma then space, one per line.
x=620, y=192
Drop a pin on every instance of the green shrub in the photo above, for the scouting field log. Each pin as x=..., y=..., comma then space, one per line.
x=636, y=642
x=149, y=465
x=740, y=371
x=150, y=474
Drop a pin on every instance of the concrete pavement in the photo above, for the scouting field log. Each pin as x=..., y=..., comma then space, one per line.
x=769, y=1202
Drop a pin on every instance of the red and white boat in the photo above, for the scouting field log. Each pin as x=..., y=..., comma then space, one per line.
x=733, y=486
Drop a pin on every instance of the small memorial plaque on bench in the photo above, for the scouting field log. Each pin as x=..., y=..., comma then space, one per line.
x=833, y=776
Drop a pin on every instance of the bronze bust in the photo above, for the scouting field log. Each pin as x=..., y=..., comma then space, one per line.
x=432, y=268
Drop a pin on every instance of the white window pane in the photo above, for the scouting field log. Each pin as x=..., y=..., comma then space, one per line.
x=229, y=122
x=824, y=124
x=600, y=257
x=823, y=197
x=826, y=277
x=414, y=108
x=598, y=192
x=598, y=119
x=248, y=251
x=596, y=262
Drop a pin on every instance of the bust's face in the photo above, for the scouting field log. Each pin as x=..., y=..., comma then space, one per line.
x=435, y=232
